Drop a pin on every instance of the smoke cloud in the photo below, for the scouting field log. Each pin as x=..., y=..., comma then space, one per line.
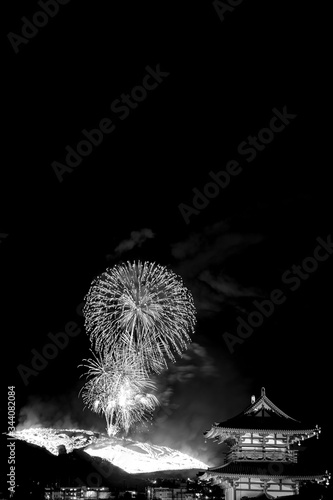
x=196, y=391
x=60, y=412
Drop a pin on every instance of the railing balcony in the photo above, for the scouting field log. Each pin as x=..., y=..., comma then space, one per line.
x=274, y=456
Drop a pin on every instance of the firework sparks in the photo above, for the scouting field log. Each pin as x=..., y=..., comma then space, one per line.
x=142, y=306
x=118, y=388
x=138, y=315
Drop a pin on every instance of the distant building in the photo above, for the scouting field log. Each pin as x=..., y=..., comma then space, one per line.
x=160, y=493
x=80, y=492
x=260, y=462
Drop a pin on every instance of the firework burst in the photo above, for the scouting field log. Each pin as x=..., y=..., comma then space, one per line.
x=117, y=387
x=145, y=308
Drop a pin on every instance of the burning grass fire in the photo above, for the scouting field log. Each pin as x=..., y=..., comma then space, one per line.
x=132, y=456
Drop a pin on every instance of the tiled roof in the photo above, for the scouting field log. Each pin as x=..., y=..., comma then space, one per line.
x=264, y=423
x=262, y=414
x=265, y=469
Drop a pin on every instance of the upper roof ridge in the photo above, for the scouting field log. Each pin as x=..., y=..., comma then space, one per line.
x=264, y=403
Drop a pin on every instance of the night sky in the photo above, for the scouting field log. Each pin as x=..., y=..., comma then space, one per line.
x=138, y=194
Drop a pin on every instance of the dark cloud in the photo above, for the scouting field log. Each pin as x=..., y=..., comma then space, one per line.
x=227, y=286
x=194, y=362
x=136, y=239
x=201, y=260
